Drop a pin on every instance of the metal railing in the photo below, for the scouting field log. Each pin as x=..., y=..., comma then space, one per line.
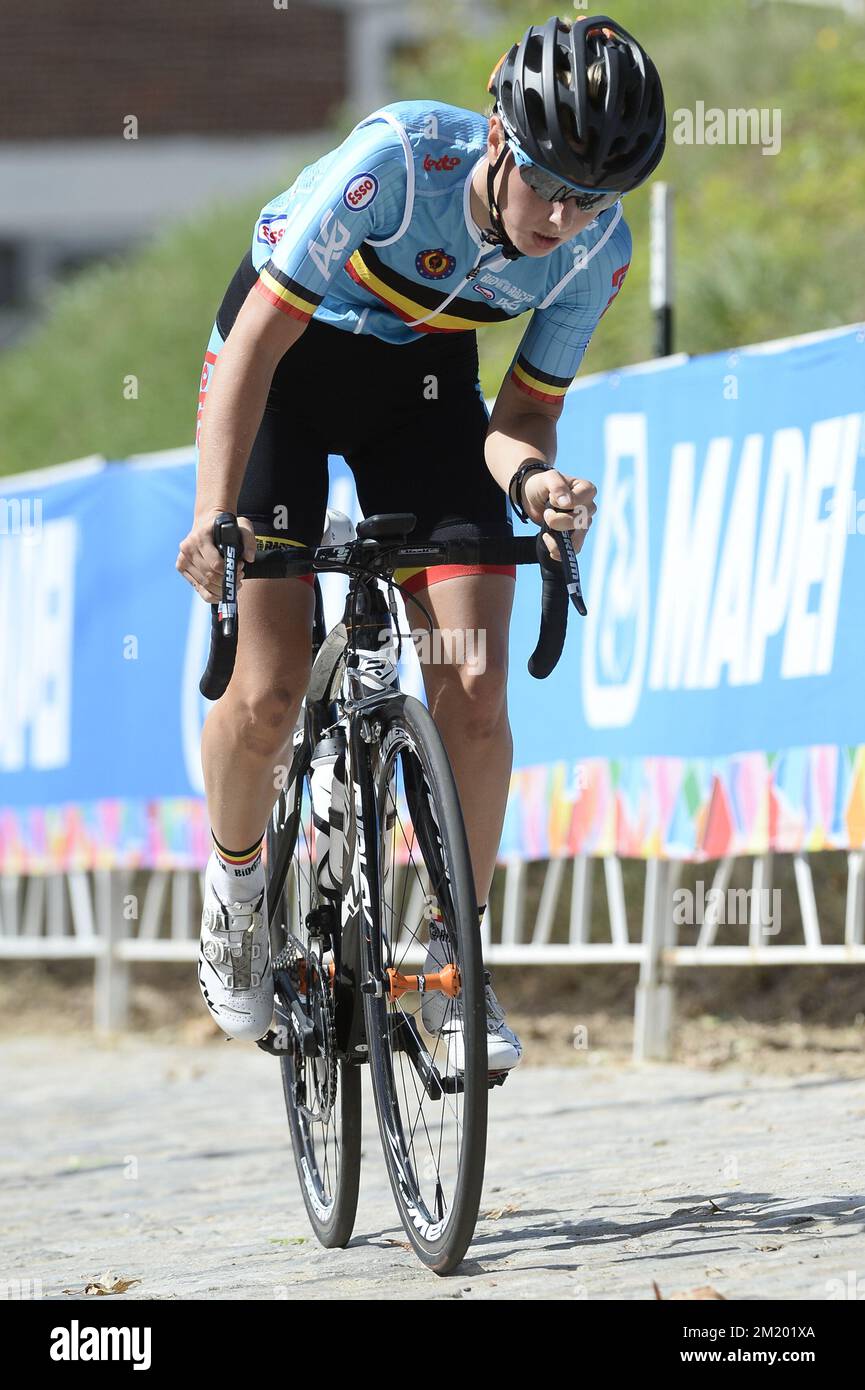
x=95, y=915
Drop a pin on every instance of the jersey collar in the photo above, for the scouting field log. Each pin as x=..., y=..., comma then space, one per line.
x=472, y=227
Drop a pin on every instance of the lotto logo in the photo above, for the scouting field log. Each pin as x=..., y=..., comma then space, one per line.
x=446, y=162
x=360, y=191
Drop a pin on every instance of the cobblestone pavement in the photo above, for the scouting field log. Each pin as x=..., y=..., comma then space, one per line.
x=171, y=1165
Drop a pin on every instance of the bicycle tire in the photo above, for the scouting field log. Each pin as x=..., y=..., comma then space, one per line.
x=441, y=1231
x=331, y=1202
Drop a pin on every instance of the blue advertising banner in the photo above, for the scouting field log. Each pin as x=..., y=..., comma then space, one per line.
x=724, y=576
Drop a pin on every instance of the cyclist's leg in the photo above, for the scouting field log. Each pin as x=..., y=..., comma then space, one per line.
x=246, y=734
x=465, y=665
x=431, y=463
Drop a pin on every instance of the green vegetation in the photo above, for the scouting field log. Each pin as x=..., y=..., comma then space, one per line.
x=767, y=245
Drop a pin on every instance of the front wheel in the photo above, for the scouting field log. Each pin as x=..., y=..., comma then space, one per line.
x=322, y=1093
x=426, y=1028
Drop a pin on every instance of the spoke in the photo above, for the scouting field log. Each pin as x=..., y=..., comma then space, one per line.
x=420, y=1095
x=437, y=1135
x=321, y=1137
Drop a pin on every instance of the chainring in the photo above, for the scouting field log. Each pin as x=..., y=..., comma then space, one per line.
x=308, y=974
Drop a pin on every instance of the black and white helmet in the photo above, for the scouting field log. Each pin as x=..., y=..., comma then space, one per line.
x=583, y=101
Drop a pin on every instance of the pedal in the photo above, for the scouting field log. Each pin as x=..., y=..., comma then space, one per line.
x=497, y=1078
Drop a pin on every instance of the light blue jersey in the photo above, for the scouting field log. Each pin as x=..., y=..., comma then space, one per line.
x=378, y=237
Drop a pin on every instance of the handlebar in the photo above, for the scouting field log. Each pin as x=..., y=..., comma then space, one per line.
x=379, y=558
x=228, y=539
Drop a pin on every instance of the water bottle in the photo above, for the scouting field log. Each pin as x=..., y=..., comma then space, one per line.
x=327, y=781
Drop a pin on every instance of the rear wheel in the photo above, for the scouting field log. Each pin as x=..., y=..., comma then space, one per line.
x=322, y=1093
x=427, y=1047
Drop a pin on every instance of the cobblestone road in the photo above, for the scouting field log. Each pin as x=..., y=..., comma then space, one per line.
x=171, y=1166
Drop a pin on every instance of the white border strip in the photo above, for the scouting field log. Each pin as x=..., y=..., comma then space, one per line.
x=781, y=344
x=56, y=473
x=166, y=458
x=409, y=174
x=678, y=359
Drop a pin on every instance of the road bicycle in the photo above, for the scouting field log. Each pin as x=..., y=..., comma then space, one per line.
x=377, y=881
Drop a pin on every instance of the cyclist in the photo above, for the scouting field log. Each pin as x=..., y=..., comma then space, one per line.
x=348, y=328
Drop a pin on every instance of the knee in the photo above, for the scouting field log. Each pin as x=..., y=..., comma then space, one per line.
x=474, y=698
x=265, y=716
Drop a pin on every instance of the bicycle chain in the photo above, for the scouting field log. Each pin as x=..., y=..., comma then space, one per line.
x=289, y=960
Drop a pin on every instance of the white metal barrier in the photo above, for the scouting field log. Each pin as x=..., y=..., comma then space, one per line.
x=95, y=916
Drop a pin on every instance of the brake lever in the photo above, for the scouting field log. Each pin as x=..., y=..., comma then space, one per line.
x=572, y=570
x=228, y=539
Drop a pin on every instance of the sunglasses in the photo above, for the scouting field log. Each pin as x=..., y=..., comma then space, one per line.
x=552, y=190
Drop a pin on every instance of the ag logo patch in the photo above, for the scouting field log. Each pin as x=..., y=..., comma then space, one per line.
x=434, y=265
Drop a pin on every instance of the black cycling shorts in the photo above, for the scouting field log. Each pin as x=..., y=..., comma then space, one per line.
x=409, y=420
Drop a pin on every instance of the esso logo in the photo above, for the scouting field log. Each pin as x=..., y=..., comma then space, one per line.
x=360, y=191
x=271, y=229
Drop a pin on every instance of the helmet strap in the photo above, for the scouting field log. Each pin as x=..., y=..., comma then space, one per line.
x=497, y=236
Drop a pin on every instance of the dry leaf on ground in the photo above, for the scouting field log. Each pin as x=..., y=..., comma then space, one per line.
x=107, y=1283
x=705, y=1292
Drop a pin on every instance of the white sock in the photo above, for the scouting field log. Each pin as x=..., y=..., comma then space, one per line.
x=237, y=878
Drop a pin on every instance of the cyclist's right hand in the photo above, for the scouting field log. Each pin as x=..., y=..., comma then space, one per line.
x=200, y=562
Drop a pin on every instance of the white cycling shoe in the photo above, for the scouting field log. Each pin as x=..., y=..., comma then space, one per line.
x=443, y=1017
x=504, y=1048
x=234, y=970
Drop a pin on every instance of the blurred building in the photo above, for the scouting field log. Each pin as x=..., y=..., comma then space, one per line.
x=116, y=118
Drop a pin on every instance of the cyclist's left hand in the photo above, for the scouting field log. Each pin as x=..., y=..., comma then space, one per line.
x=544, y=492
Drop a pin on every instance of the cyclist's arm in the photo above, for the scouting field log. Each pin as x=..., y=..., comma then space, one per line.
x=519, y=429
x=359, y=191
x=519, y=432
x=531, y=398
x=234, y=404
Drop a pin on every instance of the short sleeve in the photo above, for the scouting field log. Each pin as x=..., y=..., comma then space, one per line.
x=553, y=345
x=356, y=192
